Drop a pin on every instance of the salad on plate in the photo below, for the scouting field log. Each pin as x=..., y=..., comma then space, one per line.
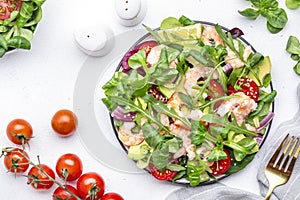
x=191, y=102
x=18, y=21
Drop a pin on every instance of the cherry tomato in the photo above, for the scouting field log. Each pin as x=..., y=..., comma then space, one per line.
x=90, y=186
x=148, y=45
x=166, y=175
x=61, y=194
x=16, y=160
x=19, y=131
x=38, y=179
x=112, y=196
x=248, y=87
x=69, y=167
x=221, y=166
x=64, y=122
x=8, y=6
x=215, y=91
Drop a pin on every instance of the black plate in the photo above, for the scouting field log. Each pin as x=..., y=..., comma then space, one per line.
x=184, y=181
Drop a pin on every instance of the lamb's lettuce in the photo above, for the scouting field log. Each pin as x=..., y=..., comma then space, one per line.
x=18, y=30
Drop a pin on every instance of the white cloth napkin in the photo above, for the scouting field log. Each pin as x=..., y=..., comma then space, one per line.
x=218, y=191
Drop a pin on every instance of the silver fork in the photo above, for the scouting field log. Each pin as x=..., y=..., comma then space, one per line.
x=279, y=169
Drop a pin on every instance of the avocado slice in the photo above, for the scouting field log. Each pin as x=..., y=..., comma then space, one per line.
x=260, y=71
x=167, y=92
x=139, y=152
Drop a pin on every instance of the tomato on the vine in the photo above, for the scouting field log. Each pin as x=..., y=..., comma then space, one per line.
x=148, y=45
x=16, y=160
x=19, y=131
x=112, y=196
x=62, y=194
x=248, y=87
x=90, y=186
x=221, y=166
x=38, y=179
x=64, y=122
x=8, y=6
x=166, y=175
x=69, y=167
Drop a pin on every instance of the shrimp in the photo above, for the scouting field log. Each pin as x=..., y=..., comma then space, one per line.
x=127, y=137
x=241, y=106
x=234, y=61
x=210, y=36
x=196, y=114
x=204, y=153
x=192, y=75
x=175, y=102
x=154, y=54
x=189, y=148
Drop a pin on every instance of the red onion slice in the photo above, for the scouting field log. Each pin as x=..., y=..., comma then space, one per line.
x=263, y=123
x=125, y=59
x=119, y=114
x=227, y=69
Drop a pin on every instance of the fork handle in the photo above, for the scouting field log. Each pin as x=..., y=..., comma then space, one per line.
x=269, y=193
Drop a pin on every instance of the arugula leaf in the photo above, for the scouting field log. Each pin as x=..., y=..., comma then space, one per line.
x=206, y=56
x=228, y=40
x=223, y=121
x=162, y=73
x=154, y=34
x=160, y=107
x=146, y=113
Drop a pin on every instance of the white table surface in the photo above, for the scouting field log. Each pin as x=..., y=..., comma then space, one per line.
x=37, y=83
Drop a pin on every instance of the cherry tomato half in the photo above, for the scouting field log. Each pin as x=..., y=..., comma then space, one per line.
x=166, y=175
x=69, y=167
x=112, y=196
x=19, y=131
x=90, y=186
x=215, y=91
x=61, y=194
x=148, y=45
x=248, y=87
x=64, y=122
x=8, y=6
x=221, y=166
x=38, y=179
x=16, y=161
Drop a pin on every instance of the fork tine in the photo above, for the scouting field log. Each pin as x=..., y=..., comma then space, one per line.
x=281, y=159
x=290, y=154
x=275, y=155
x=292, y=164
